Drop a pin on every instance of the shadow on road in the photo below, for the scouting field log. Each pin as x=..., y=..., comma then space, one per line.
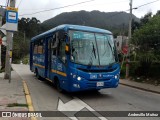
x=90, y=94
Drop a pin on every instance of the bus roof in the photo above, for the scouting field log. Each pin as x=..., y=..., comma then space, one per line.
x=72, y=27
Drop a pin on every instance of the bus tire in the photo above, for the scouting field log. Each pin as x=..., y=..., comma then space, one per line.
x=37, y=74
x=57, y=83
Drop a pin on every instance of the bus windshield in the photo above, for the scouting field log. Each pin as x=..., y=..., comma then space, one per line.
x=92, y=48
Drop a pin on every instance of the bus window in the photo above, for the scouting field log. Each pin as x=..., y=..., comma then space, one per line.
x=61, y=51
x=54, y=45
x=40, y=47
x=35, y=49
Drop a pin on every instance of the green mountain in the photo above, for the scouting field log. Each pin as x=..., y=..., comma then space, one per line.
x=110, y=20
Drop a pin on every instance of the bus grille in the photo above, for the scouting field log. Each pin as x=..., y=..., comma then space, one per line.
x=97, y=71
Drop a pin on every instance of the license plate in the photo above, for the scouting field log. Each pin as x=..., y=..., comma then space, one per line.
x=100, y=84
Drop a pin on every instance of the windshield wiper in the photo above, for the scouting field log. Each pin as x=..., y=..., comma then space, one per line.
x=93, y=52
x=111, y=48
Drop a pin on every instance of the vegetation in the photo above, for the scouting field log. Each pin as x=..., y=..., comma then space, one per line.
x=146, y=44
x=17, y=105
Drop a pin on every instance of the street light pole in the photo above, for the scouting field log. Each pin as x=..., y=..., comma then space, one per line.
x=1, y=41
x=129, y=38
x=9, y=36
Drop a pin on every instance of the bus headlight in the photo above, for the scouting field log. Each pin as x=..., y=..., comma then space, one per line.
x=116, y=76
x=78, y=78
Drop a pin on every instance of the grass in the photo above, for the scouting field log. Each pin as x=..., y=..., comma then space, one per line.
x=17, y=105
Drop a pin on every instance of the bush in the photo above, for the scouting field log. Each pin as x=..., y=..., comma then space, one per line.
x=132, y=69
x=145, y=64
x=138, y=74
x=25, y=60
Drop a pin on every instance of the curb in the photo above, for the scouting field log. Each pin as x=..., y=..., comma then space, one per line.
x=28, y=99
x=140, y=88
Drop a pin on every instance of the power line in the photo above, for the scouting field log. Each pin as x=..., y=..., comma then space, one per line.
x=132, y=8
x=19, y=4
x=58, y=8
x=145, y=4
x=96, y=4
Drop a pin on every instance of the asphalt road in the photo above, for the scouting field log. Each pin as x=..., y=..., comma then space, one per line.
x=46, y=98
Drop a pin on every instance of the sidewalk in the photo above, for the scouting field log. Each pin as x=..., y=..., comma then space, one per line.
x=141, y=86
x=12, y=97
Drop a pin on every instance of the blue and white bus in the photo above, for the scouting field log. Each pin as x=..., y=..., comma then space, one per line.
x=75, y=58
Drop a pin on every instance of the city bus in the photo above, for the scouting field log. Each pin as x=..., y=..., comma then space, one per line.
x=75, y=58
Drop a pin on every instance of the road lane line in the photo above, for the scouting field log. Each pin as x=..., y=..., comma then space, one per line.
x=28, y=99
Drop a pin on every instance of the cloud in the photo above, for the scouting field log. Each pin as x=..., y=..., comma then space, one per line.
x=30, y=6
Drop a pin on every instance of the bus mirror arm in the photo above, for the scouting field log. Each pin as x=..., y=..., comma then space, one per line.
x=62, y=35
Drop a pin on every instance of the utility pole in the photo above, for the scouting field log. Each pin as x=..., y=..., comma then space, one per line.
x=0, y=41
x=9, y=36
x=129, y=38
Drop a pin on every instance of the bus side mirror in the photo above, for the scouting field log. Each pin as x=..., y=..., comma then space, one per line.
x=61, y=35
x=67, y=49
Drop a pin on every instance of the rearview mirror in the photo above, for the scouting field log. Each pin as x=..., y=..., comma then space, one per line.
x=61, y=35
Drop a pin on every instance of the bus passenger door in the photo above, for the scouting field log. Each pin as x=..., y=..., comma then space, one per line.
x=62, y=64
x=51, y=57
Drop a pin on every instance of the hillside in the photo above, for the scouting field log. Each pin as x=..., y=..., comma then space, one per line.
x=110, y=20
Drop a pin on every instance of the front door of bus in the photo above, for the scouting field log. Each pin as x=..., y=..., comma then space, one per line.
x=51, y=56
x=62, y=64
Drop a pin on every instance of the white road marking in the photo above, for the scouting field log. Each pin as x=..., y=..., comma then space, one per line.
x=77, y=105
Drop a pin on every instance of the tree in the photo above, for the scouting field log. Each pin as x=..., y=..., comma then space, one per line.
x=147, y=41
x=148, y=36
x=29, y=28
x=146, y=18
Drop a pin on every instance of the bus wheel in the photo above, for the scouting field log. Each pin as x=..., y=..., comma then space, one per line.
x=37, y=74
x=58, y=86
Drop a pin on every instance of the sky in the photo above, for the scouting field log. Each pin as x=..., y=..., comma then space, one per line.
x=31, y=6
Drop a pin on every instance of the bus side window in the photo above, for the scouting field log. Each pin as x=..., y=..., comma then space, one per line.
x=35, y=47
x=54, y=45
x=41, y=46
x=61, y=50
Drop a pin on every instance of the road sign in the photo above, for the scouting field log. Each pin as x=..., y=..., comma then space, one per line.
x=125, y=49
x=11, y=19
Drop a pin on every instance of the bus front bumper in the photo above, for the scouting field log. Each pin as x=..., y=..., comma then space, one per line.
x=93, y=85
